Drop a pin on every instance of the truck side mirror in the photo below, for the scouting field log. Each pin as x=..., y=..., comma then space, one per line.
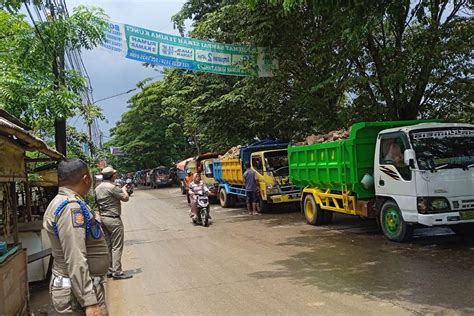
x=409, y=158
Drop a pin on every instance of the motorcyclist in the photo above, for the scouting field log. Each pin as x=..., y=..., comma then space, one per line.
x=196, y=187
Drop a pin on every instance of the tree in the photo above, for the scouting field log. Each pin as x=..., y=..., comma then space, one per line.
x=338, y=64
x=230, y=110
x=33, y=82
x=147, y=137
x=403, y=59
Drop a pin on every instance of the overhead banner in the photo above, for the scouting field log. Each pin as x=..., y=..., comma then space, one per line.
x=186, y=53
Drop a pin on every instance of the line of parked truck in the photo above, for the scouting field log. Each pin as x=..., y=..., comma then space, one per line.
x=401, y=173
x=157, y=177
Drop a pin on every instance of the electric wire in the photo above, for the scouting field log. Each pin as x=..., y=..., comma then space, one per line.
x=73, y=58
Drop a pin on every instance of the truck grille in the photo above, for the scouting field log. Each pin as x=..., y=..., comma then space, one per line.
x=463, y=205
x=289, y=189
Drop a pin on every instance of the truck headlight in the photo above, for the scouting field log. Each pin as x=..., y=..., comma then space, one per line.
x=272, y=189
x=427, y=205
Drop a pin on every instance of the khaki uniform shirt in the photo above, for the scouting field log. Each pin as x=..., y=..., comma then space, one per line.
x=109, y=198
x=75, y=255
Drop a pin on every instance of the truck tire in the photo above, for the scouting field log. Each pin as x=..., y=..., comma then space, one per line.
x=224, y=198
x=393, y=226
x=312, y=212
x=263, y=206
x=327, y=217
x=465, y=230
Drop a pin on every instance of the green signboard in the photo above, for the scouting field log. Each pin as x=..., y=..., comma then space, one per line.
x=186, y=53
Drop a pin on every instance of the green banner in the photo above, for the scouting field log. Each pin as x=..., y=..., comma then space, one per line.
x=186, y=53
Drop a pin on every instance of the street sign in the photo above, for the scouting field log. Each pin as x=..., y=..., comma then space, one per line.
x=116, y=151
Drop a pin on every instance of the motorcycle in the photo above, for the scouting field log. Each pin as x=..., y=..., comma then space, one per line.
x=203, y=208
x=129, y=185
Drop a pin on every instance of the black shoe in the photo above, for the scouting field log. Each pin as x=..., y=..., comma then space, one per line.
x=122, y=276
x=109, y=275
x=209, y=216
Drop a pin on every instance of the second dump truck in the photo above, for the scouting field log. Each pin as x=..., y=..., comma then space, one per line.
x=269, y=159
x=401, y=173
x=203, y=164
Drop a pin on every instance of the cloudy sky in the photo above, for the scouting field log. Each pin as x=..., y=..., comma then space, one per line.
x=112, y=74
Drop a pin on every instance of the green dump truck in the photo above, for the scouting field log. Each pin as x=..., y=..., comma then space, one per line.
x=401, y=173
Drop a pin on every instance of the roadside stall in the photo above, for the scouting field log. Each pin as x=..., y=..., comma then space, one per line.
x=16, y=210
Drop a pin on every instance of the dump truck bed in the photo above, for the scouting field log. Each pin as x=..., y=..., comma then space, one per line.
x=230, y=172
x=340, y=165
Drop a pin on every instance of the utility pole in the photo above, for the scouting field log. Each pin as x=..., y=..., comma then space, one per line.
x=58, y=70
x=91, y=141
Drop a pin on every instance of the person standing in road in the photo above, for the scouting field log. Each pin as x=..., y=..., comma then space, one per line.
x=250, y=179
x=187, y=182
x=109, y=197
x=78, y=246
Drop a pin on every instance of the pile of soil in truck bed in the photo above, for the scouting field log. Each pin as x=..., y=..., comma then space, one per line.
x=233, y=153
x=324, y=138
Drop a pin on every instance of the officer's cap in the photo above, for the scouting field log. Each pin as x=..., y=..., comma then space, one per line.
x=108, y=172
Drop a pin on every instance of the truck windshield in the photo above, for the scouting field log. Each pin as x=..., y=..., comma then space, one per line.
x=276, y=163
x=444, y=148
x=208, y=170
x=163, y=172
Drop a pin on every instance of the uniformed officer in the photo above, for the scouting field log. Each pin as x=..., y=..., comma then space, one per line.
x=79, y=249
x=109, y=197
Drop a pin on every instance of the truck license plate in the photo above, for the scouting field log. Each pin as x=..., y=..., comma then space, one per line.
x=466, y=215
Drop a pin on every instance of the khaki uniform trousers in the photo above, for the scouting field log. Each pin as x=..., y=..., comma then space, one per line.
x=114, y=234
x=64, y=302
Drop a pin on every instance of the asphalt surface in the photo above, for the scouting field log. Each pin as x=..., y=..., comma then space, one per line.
x=276, y=264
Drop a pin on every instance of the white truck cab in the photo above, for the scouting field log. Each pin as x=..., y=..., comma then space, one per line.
x=424, y=174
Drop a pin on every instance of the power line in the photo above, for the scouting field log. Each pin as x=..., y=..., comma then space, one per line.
x=73, y=58
x=116, y=95
x=35, y=25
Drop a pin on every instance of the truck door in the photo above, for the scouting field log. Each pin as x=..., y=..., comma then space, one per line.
x=392, y=177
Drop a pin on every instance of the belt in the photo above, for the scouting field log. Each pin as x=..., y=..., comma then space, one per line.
x=111, y=216
x=65, y=282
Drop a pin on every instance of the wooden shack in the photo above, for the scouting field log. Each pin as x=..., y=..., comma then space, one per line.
x=17, y=143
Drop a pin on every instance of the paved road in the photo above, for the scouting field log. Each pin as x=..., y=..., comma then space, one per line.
x=276, y=264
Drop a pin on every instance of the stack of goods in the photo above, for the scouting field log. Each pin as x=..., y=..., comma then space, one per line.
x=233, y=153
x=324, y=138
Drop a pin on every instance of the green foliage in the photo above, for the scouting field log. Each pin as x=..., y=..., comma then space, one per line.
x=29, y=58
x=401, y=59
x=147, y=136
x=339, y=62
x=232, y=110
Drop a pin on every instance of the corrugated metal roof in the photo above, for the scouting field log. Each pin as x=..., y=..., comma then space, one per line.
x=13, y=119
x=26, y=139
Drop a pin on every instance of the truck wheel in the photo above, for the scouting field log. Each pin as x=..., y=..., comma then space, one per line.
x=224, y=198
x=313, y=213
x=327, y=217
x=465, y=230
x=233, y=200
x=263, y=206
x=393, y=226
